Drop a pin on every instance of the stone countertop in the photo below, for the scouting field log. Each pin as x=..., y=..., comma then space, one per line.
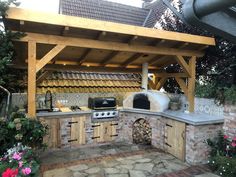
x=62, y=114
x=189, y=118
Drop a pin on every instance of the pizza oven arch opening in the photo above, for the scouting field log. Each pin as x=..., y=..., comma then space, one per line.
x=141, y=101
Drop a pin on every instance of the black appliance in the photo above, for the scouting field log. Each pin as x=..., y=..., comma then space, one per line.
x=103, y=108
x=102, y=103
x=141, y=101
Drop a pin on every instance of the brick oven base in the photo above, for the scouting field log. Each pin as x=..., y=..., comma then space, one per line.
x=196, y=150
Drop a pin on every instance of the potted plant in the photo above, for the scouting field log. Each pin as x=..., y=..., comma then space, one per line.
x=175, y=102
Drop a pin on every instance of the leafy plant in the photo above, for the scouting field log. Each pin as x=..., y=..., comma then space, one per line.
x=19, y=161
x=19, y=128
x=223, y=155
x=230, y=95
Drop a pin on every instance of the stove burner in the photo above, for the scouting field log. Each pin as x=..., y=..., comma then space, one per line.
x=105, y=114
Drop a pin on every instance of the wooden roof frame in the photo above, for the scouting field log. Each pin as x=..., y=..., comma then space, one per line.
x=186, y=58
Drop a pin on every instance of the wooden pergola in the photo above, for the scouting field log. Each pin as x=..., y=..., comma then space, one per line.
x=60, y=42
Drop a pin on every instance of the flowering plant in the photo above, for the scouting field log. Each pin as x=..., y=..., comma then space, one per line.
x=223, y=155
x=19, y=161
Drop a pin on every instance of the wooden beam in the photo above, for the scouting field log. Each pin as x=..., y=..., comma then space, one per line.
x=182, y=85
x=49, y=56
x=43, y=76
x=61, y=67
x=167, y=75
x=151, y=84
x=32, y=79
x=91, y=24
x=87, y=51
x=160, y=84
x=181, y=61
x=65, y=31
x=113, y=54
x=117, y=46
x=156, y=58
x=191, y=83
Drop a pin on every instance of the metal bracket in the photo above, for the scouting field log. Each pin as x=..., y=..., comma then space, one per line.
x=168, y=125
x=113, y=135
x=95, y=137
x=168, y=144
x=96, y=125
x=72, y=140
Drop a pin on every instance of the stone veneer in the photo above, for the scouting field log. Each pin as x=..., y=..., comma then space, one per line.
x=230, y=120
x=197, y=149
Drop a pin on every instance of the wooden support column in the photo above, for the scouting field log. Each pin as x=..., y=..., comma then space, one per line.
x=31, y=79
x=191, y=83
x=161, y=82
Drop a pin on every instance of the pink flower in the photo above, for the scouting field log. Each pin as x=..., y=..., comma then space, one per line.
x=10, y=172
x=16, y=156
x=20, y=164
x=26, y=171
x=234, y=138
x=233, y=144
x=226, y=137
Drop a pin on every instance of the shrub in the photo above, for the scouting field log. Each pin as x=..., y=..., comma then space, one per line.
x=19, y=128
x=223, y=155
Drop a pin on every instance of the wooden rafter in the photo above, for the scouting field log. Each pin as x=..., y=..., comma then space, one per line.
x=49, y=56
x=171, y=75
x=131, y=59
x=117, y=46
x=87, y=51
x=113, y=54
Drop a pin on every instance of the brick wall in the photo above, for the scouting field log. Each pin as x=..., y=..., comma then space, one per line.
x=196, y=148
x=230, y=120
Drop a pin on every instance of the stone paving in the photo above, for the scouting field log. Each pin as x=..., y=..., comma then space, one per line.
x=116, y=161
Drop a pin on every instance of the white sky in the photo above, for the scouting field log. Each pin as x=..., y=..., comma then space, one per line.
x=53, y=5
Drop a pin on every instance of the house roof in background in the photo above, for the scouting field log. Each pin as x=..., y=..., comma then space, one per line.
x=87, y=82
x=113, y=12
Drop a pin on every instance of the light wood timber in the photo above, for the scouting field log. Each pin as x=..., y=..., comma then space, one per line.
x=181, y=61
x=191, y=83
x=151, y=84
x=171, y=75
x=117, y=46
x=78, y=130
x=161, y=83
x=61, y=67
x=85, y=23
x=49, y=56
x=31, y=79
x=132, y=59
x=182, y=85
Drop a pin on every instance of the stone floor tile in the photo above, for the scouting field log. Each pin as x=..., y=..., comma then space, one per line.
x=78, y=167
x=118, y=175
x=111, y=170
x=135, y=173
x=93, y=170
x=144, y=166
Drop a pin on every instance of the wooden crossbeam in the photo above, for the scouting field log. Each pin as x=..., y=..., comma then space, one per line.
x=167, y=75
x=156, y=59
x=182, y=85
x=117, y=46
x=31, y=79
x=181, y=61
x=49, y=56
x=161, y=82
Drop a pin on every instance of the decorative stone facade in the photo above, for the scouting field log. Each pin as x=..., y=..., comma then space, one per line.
x=230, y=120
x=126, y=125
x=197, y=149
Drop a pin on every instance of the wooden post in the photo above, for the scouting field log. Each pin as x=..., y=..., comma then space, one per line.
x=191, y=83
x=31, y=78
x=145, y=76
